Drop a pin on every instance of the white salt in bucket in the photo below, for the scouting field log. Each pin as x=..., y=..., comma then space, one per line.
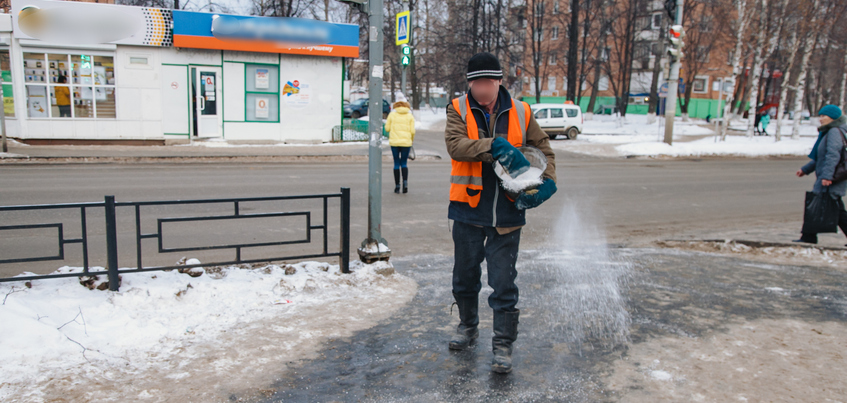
x=527, y=180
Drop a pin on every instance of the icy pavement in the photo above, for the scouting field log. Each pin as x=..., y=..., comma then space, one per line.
x=703, y=327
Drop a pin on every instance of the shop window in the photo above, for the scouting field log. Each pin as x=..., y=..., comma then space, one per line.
x=64, y=86
x=261, y=97
x=8, y=95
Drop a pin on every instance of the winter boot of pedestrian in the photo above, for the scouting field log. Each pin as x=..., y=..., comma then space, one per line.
x=396, y=181
x=505, y=334
x=405, y=180
x=467, y=331
x=807, y=238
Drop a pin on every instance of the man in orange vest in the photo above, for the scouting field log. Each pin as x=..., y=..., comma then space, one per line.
x=486, y=125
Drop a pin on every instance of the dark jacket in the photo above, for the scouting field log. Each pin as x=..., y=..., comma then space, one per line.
x=828, y=155
x=494, y=208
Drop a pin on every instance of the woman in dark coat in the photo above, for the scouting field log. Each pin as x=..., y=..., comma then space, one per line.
x=825, y=156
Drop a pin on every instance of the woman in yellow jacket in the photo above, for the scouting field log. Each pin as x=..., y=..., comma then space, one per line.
x=401, y=134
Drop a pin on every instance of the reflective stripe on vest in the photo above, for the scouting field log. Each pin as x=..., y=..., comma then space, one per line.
x=466, y=176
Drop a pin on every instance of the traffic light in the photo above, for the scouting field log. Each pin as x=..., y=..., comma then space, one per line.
x=670, y=8
x=675, y=37
x=405, y=55
x=362, y=5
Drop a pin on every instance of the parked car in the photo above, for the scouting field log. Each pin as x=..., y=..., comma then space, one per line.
x=556, y=119
x=359, y=108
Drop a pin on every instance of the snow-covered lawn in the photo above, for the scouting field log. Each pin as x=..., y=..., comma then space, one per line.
x=636, y=125
x=169, y=336
x=430, y=119
x=807, y=127
x=609, y=137
x=757, y=146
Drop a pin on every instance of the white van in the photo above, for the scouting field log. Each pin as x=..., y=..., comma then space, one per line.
x=557, y=119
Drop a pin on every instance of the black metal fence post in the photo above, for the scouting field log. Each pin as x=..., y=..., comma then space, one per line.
x=111, y=244
x=345, y=230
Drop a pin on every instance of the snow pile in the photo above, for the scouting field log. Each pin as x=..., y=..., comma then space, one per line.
x=12, y=155
x=374, y=248
x=221, y=143
x=60, y=337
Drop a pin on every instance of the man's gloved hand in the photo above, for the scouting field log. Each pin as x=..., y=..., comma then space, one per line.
x=534, y=197
x=509, y=157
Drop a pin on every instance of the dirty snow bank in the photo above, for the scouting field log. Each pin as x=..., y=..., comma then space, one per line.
x=166, y=335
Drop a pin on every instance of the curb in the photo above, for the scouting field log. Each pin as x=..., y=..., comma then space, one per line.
x=200, y=159
x=760, y=244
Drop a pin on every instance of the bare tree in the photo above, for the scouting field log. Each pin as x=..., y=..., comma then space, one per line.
x=766, y=45
x=539, y=51
x=573, y=49
x=809, y=48
x=601, y=56
x=794, y=46
x=700, y=40
x=741, y=23
x=282, y=8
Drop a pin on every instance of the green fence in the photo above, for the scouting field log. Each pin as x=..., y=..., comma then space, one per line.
x=353, y=130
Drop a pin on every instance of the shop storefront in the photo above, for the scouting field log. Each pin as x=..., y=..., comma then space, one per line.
x=157, y=75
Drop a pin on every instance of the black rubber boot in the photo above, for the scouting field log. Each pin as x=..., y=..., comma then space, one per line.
x=405, y=180
x=396, y=181
x=505, y=334
x=467, y=331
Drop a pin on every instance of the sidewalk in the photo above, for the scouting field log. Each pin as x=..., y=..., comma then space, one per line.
x=206, y=151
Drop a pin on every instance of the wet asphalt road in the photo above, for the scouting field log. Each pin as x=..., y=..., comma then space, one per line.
x=666, y=292
x=633, y=199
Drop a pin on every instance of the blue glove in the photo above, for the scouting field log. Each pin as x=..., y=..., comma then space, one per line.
x=509, y=157
x=545, y=191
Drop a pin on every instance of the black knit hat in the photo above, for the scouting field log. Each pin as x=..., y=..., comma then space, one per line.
x=484, y=65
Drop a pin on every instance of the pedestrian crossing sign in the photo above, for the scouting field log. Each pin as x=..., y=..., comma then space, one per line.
x=401, y=28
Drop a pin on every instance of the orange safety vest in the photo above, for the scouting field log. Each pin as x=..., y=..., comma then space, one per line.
x=466, y=176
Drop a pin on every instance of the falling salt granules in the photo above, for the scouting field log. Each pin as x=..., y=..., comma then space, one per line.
x=528, y=179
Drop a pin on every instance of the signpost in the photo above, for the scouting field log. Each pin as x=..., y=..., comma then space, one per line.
x=401, y=38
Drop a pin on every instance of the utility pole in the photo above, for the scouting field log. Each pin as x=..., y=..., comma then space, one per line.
x=674, y=8
x=374, y=247
x=408, y=33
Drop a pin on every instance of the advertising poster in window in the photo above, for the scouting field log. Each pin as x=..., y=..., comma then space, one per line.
x=262, y=79
x=36, y=101
x=262, y=108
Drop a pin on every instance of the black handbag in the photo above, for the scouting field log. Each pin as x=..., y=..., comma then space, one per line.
x=821, y=214
x=840, y=173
